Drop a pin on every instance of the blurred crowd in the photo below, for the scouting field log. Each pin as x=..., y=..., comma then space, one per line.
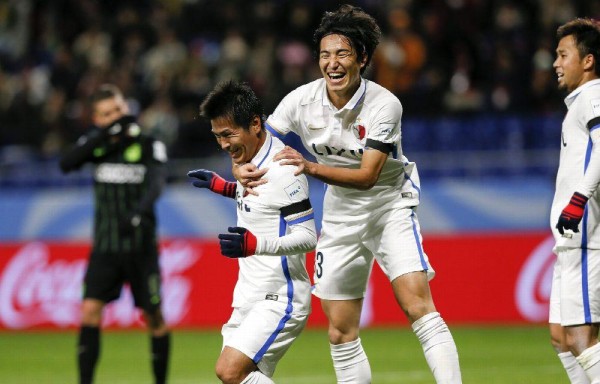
x=441, y=57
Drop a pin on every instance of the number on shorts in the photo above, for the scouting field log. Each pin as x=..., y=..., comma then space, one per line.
x=319, y=264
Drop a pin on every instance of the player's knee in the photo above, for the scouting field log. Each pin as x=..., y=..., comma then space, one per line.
x=577, y=343
x=341, y=335
x=228, y=374
x=155, y=321
x=91, y=313
x=417, y=309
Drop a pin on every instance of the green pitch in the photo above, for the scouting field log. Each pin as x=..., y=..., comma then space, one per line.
x=488, y=355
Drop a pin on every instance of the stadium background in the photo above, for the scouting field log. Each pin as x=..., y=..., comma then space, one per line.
x=482, y=120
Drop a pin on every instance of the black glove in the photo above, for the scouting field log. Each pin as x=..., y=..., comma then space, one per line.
x=212, y=181
x=239, y=242
x=125, y=126
x=130, y=223
x=571, y=215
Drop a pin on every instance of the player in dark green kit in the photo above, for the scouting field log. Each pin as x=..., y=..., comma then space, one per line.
x=128, y=179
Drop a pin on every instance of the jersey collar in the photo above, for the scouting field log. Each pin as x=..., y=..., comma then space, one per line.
x=573, y=95
x=263, y=152
x=353, y=102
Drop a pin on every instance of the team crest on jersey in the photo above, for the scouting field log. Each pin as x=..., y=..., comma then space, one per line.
x=133, y=153
x=359, y=130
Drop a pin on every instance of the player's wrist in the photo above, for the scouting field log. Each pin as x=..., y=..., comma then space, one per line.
x=577, y=203
x=311, y=169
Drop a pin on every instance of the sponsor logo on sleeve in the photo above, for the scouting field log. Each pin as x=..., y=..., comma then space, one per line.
x=294, y=190
x=595, y=106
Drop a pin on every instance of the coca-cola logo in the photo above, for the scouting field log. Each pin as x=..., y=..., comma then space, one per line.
x=532, y=293
x=35, y=290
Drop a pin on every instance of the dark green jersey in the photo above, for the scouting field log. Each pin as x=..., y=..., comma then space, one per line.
x=128, y=179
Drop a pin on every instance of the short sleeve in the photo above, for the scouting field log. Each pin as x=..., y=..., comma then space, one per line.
x=385, y=124
x=282, y=119
x=592, y=111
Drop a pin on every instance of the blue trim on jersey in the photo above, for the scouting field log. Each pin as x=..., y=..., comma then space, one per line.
x=274, y=132
x=266, y=154
x=290, y=295
x=395, y=152
x=588, y=154
x=584, y=252
x=418, y=241
x=361, y=97
x=595, y=127
x=584, y=271
x=301, y=219
x=412, y=182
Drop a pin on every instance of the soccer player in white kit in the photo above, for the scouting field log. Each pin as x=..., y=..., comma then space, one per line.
x=352, y=127
x=575, y=215
x=271, y=299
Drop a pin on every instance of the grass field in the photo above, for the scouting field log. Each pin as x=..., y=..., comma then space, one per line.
x=488, y=355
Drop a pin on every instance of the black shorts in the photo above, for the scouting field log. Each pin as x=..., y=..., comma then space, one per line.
x=107, y=272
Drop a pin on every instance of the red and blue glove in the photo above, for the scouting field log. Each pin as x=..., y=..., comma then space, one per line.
x=571, y=216
x=239, y=242
x=214, y=182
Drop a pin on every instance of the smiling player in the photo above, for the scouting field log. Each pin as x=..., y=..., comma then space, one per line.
x=575, y=216
x=352, y=127
x=271, y=300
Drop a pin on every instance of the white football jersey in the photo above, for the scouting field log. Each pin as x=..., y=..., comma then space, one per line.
x=576, y=148
x=281, y=202
x=339, y=138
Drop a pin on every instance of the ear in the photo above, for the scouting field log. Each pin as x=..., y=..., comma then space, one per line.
x=363, y=62
x=589, y=62
x=255, y=126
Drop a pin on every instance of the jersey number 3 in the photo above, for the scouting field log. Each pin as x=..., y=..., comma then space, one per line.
x=319, y=264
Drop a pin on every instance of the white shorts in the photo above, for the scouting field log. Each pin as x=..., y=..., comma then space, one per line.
x=575, y=297
x=345, y=252
x=263, y=331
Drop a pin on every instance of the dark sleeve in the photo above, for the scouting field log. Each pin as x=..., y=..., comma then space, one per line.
x=297, y=212
x=82, y=151
x=380, y=146
x=593, y=123
x=155, y=176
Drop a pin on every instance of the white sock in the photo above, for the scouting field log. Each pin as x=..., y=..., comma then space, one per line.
x=589, y=360
x=351, y=363
x=574, y=370
x=440, y=350
x=257, y=377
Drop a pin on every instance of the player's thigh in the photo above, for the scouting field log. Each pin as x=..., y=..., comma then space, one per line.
x=103, y=278
x=554, y=307
x=394, y=237
x=342, y=264
x=579, y=282
x=264, y=332
x=233, y=364
x=143, y=274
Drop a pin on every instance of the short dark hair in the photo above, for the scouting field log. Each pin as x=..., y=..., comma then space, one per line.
x=235, y=100
x=586, y=33
x=105, y=91
x=356, y=25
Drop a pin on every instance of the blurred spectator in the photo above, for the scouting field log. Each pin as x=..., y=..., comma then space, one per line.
x=400, y=57
x=442, y=57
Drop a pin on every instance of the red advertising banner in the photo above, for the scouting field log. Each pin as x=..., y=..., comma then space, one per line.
x=491, y=278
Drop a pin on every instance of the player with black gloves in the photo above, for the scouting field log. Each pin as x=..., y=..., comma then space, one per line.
x=271, y=299
x=575, y=215
x=128, y=179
